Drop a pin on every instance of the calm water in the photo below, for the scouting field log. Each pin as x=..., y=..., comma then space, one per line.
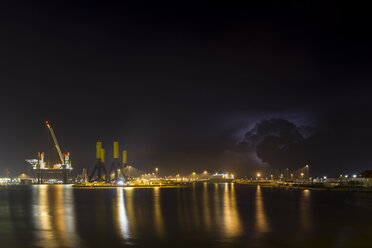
x=205, y=215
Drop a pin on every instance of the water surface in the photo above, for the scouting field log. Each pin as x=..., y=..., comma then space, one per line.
x=203, y=215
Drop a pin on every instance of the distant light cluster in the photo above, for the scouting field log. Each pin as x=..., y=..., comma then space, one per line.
x=6, y=180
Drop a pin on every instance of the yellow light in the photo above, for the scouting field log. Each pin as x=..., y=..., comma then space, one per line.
x=258, y=174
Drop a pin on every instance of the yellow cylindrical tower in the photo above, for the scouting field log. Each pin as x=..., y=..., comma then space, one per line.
x=103, y=155
x=116, y=149
x=98, y=149
x=124, y=157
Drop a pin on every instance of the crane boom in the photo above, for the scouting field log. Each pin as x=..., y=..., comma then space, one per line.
x=55, y=142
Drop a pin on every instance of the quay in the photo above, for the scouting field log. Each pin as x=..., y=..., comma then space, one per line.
x=306, y=186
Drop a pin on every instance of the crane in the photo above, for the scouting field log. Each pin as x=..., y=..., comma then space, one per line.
x=56, y=143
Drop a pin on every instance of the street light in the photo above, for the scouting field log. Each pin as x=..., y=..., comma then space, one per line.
x=307, y=171
x=205, y=174
x=302, y=175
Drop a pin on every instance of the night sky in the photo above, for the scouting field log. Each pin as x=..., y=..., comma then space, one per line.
x=188, y=86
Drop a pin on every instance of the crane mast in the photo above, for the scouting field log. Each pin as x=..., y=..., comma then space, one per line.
x=55, y=142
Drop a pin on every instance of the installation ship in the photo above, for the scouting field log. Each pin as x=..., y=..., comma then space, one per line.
x=41, y=167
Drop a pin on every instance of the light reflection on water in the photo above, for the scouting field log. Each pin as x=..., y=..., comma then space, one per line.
x=43, y=223
x=206, y=207
x=130, y=211
x=121, y=213
x=262, y=225
x=217, y=206
x=305, y=206
x=232, y=225
x=203, y=215
x=54, y=216
x=158, y=215
x=195, y=208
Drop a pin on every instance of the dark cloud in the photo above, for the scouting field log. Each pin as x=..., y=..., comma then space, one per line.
x=271, y=142
x=340, y=145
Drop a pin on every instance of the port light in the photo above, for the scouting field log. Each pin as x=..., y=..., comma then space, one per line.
x=121, y=182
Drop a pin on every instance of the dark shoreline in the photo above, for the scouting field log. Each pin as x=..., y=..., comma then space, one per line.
x=309, y=187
